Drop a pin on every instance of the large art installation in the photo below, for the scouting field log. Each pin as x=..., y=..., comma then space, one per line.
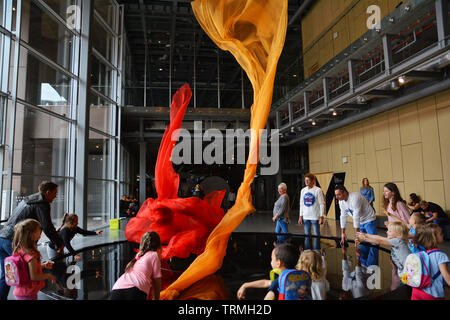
x=254, y=32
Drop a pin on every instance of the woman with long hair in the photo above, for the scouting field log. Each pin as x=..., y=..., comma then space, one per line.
x=366, y=191
x=393, y=204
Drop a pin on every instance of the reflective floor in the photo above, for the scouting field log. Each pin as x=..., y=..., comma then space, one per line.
x=247, y=259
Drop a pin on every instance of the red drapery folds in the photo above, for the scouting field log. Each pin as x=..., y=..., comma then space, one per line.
x=254, y=32
x=182, y=223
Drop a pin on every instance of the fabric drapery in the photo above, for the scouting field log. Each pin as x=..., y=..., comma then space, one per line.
x=254, y=32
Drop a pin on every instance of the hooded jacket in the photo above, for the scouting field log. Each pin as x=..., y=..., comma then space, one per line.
x=35, y=207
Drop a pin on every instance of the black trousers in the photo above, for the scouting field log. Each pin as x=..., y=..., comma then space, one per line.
x=132, y=293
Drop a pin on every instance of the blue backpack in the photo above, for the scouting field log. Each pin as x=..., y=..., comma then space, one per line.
x=416, y=272
x=294, y=285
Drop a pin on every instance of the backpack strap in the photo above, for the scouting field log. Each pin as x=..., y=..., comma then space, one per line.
x=438, y=273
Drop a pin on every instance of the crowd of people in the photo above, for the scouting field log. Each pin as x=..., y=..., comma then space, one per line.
x=406, y=225
x=415, y=227
x=19, y=237
x=128, y=206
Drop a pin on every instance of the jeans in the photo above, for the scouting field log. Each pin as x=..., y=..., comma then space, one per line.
x=5, y=251
x=281, y=227
x=369, y=255
x=316, y=227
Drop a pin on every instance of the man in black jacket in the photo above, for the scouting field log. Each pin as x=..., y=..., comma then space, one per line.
x=35, y=206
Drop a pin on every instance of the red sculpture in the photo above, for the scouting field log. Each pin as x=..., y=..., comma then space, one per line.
x=184, y=224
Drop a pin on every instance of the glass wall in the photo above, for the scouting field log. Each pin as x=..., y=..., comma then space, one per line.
x=40, y=99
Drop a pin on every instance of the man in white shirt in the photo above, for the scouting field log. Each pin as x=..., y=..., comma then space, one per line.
x=312, y=209
x=353, y=204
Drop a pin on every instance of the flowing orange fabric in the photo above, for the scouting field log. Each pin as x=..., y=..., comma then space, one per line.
x=254, y=32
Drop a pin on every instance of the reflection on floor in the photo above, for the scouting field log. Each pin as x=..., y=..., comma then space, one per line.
x=247, y=259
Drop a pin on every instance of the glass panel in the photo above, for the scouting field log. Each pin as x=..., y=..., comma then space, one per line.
x=101, y=76
x=102, y=40
x=107, y=11
x=125, y=166
x=12, y=65
x=4, y=215
x=7, y=135
x=99, y=156
x=100, y=114
x=41, y=143
x=2, y=12
x=99, y=203
x=65, y=9
x=42, y=85
x=46, y=35
x=26, y=185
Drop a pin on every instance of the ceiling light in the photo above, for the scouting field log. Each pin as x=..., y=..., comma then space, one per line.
x=294, y=75
x=334, y=113
x=160, y=69
x=361, y=99
x=313, y=123
x=394, y=85
x=401, y=80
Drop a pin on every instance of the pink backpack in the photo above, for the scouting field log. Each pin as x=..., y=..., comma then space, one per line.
x=16, y=270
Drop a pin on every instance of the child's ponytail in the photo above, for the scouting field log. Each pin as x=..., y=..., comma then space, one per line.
x=63, y=221
x=150, y=241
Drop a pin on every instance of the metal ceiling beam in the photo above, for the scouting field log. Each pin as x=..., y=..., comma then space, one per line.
x=147, y=50
x=423, y=75
x=410, y=94
x=305, y=5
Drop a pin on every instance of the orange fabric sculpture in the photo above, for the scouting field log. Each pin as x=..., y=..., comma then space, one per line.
x=183, y=223
x=254, y=32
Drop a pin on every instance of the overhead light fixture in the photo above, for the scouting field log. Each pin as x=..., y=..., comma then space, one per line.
x=334, y=113
x=294, y=75
x=394, y=85
x=160, y=69
x=361, y=99
x=292, y=129
x=401, y=80
x=313, y=123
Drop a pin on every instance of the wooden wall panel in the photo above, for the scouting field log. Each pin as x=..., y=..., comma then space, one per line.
x=409, y=124
x=443, y=116
x=434, y=192
x=430, y=138
x=413, y=168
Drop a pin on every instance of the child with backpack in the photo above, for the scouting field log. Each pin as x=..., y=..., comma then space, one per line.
x=291, y=284
x=415, y=219
x=314, y=264
x=68, y=229
x=430, y=266
x=24, y=266
x=397, y=241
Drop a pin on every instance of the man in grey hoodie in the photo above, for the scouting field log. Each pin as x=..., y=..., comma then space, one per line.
x=35, y=206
